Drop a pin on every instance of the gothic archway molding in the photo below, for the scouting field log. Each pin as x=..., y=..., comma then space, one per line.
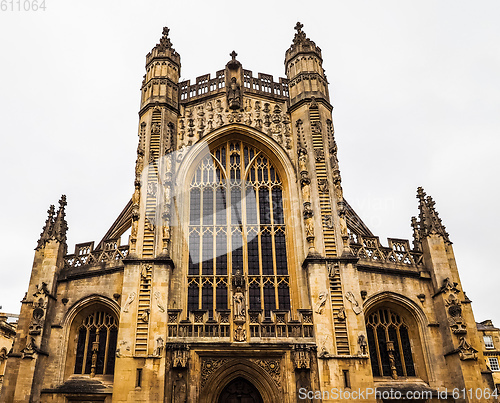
x=240, y=369
x=409, y=308
x=295, y=242
x=244, y=133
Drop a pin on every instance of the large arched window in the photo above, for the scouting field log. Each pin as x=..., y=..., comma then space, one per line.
x=237, y=229
x=96, y=343
x=389, y=344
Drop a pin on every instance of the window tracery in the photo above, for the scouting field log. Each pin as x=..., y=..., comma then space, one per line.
x=96, y=344
x=389, y=344
x=237, y=226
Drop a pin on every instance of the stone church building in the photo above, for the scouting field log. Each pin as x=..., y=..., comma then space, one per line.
x=247, y=276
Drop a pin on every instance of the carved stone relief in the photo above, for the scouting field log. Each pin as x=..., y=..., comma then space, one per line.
x=209, y=366
x=302, y=356
x=240, y=333
x=180, y=355
x=318, y=308
x=159, y=302
x=272, y=367
x=466, y=351
x=349, y=296
x=272, y=119
x=130, y=299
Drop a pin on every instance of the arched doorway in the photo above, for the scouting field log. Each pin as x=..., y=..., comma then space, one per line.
x=239, y=390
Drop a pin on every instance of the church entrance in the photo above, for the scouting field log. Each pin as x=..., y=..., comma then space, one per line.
x=240, y=390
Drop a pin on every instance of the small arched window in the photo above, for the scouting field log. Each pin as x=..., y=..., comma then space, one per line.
x=389, y=344
x=96, y=344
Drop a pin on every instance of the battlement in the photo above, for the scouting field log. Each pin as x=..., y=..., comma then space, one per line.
x=205, y=85
x=85, y=255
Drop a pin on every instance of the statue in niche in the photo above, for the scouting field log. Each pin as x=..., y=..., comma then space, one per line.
x=309, y=228
x=219, y=121
x=234, y=95
x=248, y=105
x=209, y=106
x=239, y=304
x=218, y=106
x=159, y=346
x=302, y=383
x=302, y=160
x=179, y=390
x=257, y=105
x=363, y=345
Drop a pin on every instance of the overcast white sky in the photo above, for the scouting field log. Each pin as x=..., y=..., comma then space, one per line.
x=415, y=87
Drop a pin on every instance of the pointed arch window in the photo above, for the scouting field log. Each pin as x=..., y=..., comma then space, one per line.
x=96, y=344
x=389, y=344
x=237, y=225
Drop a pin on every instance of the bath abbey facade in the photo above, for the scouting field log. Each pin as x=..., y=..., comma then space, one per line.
x=247, y=276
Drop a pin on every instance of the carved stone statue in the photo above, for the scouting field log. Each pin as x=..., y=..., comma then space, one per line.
x=302, y=160
x=363, y=345
x=321, y=302
x=239, y=304
x=234, y=95
x=179, y=390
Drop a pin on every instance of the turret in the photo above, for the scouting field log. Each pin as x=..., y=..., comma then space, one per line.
x=304, y=70
x=163, y=68
x=157, y=127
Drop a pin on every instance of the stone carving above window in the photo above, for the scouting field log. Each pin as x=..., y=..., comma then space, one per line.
x=272, y=119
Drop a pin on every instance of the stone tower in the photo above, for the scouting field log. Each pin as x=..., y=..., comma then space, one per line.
x=246, y=275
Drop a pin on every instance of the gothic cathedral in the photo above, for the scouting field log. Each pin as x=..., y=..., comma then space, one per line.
x=247, y=276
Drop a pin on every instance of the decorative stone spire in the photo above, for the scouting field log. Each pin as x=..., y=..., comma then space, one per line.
x=47, y=229
x=301, y=43
x=304, y=70
x=428, y=220
x=60, y=224
x=165, y=41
